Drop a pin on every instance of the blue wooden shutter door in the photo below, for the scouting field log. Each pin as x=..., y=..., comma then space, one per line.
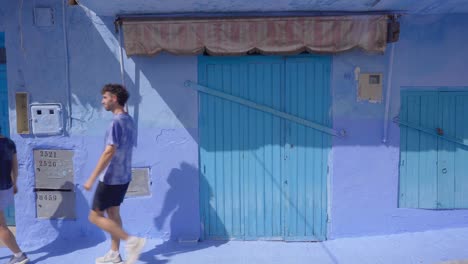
x=452, y=157
x=418, y=161
x=244, y=191
x=306, y=150
x=433, y=170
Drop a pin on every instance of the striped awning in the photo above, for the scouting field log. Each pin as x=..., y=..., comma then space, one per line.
x=238, y=36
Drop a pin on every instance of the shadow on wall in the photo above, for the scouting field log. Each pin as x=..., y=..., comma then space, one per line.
x=91, y=53
x=90, y=235
x=166, y=75
x=231, y=119
x=95, y=62
x=175, y=210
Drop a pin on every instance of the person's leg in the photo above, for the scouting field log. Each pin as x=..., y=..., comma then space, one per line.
x=108, y=198
x=104, y=198
x=113, y=255
x=114, y=214
x=114, y=229
x=6, y=236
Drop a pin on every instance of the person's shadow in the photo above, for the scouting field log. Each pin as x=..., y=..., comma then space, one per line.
x=176, y=209
x=67, y=242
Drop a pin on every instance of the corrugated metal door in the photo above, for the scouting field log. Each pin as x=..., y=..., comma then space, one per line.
x=245, y=174
x=433, y=168
x=4, y=119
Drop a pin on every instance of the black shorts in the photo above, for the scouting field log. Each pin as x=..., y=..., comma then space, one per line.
x=108, y=196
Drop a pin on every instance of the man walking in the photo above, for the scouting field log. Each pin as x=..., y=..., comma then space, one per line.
x=8, y=177
x=114, y=172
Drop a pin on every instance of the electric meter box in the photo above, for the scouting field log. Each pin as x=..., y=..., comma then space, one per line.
x=370, y=87
x=140, y=184
x=47, y=119
x=55, y=205
x=53, y=169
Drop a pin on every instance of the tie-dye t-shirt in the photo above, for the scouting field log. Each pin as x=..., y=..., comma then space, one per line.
x=121, y=135
x=7, y=150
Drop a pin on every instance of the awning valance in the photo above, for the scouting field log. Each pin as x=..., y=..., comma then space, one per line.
x=238, y=36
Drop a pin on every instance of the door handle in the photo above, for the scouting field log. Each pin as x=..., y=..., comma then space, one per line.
x=444, y=170
x=440, y=131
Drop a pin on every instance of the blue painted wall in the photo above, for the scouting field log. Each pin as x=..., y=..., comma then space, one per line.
x=165, y=112
x=363, y=179
x=265, y=6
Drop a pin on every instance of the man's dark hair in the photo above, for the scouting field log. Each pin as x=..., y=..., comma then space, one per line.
x=117, y=90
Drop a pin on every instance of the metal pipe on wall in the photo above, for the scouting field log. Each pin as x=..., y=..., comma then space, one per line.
x=67, y=71
x=122, y=66
x=389, y=93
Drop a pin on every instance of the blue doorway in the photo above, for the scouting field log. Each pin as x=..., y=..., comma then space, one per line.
x=263, y=177
x=434, y=149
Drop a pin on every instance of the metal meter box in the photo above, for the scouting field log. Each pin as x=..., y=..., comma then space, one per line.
x=139, y=186
x=370, y=87
x=55, y=204
x=43, y=16
x=46, y=119
x=54, y=169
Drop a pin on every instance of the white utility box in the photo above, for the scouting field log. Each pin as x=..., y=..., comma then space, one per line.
x=46, y=119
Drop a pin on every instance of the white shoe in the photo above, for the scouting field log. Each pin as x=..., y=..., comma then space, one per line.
x=109, y=258
x=23, y=259
x=134, y=246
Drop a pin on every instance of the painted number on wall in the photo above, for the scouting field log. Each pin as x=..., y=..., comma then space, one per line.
x=47, y=197
x=48, y=154
x=53, y=168
x=47, y=163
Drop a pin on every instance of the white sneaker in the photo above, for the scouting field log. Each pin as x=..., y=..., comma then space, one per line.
x=134, y=246
x=23, y=259
x=109, y=258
